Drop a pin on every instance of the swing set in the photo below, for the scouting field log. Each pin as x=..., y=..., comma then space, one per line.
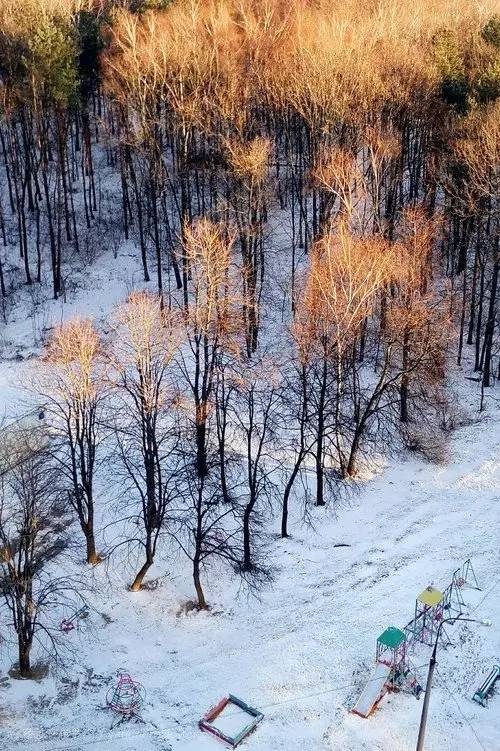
x=73, y=622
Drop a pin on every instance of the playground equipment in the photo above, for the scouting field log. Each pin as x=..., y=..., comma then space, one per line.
x=392, y=652
x=231, y=720
x=69, y=624
x=429, y=612
x=487, y=687
x=392, y=672
x=374, y=691
x=433, y=605
x=126, y=699
x=463, y=577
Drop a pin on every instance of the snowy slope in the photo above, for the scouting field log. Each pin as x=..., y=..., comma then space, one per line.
x=301, y=652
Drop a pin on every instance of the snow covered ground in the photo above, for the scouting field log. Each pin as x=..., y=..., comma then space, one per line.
x=302, y=652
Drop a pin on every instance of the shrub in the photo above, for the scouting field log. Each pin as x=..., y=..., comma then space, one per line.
x=491, y=31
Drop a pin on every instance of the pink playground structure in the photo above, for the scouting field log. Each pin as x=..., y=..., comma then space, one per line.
x=126, y=699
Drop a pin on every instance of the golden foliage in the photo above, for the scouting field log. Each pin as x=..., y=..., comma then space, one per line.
x=147, y=338
x=418, y=235
x=418, y=317
x=479, y=151
x=73, y=354
x=347, y=273
x=329, y=61
x=249, y=159
x=208, y=255
x=337, y=172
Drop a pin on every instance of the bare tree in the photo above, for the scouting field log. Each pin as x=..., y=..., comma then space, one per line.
x=249, y=164
x=479, y=153
x=414, y=295
x=256, y=415
x=146, y=340
x=227, y=453
x=298, y=438
x=210, y=319
x=208, y=528
x=33, y=532
x=74, y=388
x=346, y=275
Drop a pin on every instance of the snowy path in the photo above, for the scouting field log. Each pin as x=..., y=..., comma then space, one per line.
x=303, y=652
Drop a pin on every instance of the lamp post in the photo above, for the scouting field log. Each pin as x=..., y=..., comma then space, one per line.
x=430, y=675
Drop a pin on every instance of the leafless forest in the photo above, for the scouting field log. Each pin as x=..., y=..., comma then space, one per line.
x=312, y=191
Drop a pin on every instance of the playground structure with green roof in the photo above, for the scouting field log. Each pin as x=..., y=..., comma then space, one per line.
x=393, y=669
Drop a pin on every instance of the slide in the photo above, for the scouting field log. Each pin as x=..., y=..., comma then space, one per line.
x=486, y=688
x=373, y=691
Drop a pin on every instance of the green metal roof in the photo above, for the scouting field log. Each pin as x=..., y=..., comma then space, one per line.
x=392, y=637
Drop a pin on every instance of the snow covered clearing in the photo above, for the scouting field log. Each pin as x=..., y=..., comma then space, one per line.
x=303, y=651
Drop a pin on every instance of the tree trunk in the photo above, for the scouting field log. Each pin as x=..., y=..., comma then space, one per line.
x=137, y=583
x=92, y=556
x=287, y=493
x=351, y=469
x=490, y=328
x=24, y=658
x=403, y=391
x=284, y=512
x=247, y=556
x=202, y=603
x=201, y=449
x=320, y=473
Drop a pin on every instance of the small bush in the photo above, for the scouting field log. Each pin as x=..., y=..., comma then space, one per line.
x=488, y=85
x=455, y=92
x=431, y=446
x=491, y=31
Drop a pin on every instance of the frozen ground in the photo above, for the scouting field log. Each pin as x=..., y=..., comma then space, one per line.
x=302, y=652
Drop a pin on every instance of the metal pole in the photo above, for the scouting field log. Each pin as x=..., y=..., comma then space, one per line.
x=430, y=675
x=427, y=697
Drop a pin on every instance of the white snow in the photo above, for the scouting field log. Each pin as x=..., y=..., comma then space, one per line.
x=303, y=650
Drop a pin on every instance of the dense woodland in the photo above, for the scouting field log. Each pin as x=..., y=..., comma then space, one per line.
x=312, y=191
